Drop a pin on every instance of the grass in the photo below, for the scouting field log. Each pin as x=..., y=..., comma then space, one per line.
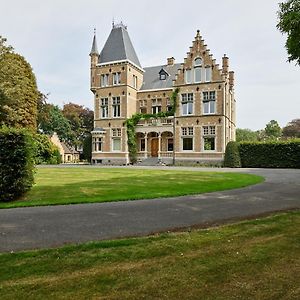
x=258, y=259
x=87, y=185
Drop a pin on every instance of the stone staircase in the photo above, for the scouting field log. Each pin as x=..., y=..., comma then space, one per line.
x=150, y=161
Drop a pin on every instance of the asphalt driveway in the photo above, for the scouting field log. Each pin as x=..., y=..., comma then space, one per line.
x=53, y=226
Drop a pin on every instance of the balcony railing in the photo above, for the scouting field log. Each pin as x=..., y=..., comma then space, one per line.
x=156, y=122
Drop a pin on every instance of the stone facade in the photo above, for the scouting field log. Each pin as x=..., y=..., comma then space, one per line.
x=205, y=117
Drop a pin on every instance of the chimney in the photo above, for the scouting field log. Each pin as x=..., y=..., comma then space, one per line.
x=225, y=64
x=171, y=61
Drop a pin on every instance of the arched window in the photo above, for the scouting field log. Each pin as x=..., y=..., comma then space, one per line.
x=197, y=69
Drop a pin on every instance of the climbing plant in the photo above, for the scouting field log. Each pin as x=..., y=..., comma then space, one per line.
x=133, y=121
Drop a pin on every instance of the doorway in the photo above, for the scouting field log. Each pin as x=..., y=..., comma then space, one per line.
x=154, y=147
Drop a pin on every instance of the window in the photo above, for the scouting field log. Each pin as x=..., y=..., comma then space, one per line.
x=209, y=102
x=170, y=144
x=97, y=144
x=116, y=107
x=104, y=108
x=142, y=145
x=187, y=138
x=169, y=105
x=134, y=81
x=209, y=143
x=156, y=106
x=162, y=76
x=143, y=106
x=209, y=130
x=116, y=139
x=197, y=69
x=116, y=132
x=187, y=104
x=104, y=80
x=116, y=144
x=207, y=73
x=188, y=76
x=116, y=78
x=209, y=138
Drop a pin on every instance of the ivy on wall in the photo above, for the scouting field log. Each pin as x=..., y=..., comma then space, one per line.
x=133, y=121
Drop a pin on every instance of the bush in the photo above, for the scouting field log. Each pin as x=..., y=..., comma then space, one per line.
x=45, y=151
x=16, y=163
x=232, y=156
x=270, y=154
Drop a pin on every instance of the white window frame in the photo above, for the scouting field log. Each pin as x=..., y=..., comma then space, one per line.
x=104, y=80
x=113, y=140
x=209, y=100
x=209, y=132
x=116, y=107
x=104, y=108
x=185, y=104
x=156, y=106
x=187, y=132
x=117, y=78
x=188, y=76
x=97, y=144
x=208, y=74
x=198, y=67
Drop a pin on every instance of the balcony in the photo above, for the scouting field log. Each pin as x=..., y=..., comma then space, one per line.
x=168, y=121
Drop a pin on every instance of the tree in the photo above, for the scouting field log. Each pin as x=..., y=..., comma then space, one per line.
x=246, y=135
x=81, y=120
x=273, y=130
x=18, y=90
x=51, y=119
x=292, y=129
x=289, y=23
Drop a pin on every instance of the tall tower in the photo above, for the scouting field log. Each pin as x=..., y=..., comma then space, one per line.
x=116, y=76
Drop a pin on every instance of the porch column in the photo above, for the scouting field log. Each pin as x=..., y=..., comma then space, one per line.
x=146, y=144
x=159, y=144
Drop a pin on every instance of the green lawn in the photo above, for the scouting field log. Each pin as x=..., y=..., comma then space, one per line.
x=85, y=185
x=258, y=259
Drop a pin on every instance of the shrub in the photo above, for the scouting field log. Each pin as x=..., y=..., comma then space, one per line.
x=232, y=156
x=276, y=154
x=16, y=163
x=45, y=152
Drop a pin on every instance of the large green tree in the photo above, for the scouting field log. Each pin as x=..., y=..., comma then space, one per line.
x=289, y=23
x=246, y=135
x=18, y=90
x=273, y=130
x=81, y=119
x=51, y=119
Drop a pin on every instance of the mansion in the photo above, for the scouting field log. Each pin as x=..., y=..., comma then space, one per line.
x=204, y=119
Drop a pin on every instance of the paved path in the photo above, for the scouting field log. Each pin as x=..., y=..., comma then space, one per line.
x=52, y=226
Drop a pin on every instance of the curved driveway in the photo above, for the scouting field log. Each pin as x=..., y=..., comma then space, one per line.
x=52, y=226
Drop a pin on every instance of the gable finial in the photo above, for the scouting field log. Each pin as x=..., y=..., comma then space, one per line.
x=94, y=30
x=113, y=22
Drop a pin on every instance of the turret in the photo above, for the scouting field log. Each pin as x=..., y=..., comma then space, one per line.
x=94, y=54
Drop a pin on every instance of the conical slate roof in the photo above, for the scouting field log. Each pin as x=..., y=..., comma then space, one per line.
x=118, y=47
x=94, y=49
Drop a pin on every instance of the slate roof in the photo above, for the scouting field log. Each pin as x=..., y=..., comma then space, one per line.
x=94, y=49
x=152, y=80
x=118, y=47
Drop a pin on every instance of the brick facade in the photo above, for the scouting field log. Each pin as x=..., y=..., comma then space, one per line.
x=204, y=121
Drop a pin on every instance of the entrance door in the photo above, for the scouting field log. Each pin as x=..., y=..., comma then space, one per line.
x=154, y=147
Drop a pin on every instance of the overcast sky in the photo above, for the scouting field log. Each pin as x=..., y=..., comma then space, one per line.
x=55, y=37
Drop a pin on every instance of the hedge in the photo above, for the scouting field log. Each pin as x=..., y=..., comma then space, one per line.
x=16, y=163
x=278, y=154
x=232, y=156
x=45, y=152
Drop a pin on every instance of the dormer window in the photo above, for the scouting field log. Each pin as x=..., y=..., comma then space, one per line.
x=163, y=74
x=163, y=77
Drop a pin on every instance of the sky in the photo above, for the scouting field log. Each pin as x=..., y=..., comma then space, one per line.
x=56, y=36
